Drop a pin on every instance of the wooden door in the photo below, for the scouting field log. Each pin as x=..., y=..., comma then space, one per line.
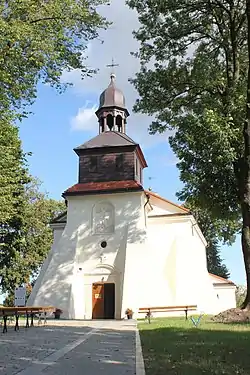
x=109, y=301
x=98, y=301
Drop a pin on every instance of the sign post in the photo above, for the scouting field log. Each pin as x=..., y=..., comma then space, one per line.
x=20, y=296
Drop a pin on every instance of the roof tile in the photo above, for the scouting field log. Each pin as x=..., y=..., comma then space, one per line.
x=103, y=187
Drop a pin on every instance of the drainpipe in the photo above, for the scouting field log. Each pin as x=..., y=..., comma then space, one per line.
x=148, y=198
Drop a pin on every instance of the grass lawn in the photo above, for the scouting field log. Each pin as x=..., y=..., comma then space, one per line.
x=173, y=346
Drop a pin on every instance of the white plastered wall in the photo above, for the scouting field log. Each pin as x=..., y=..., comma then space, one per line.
x=224, y=292
x=74, y=264
x=160, y=261
x=174, y=266
x=225, y=298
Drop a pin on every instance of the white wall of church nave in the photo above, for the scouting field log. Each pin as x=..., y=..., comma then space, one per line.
x=176, y=264
x=225, y=297
x=57, y=234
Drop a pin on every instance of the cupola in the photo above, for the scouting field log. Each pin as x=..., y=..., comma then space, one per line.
x=112, y=112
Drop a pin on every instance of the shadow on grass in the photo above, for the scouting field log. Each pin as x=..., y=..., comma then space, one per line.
x=186, y=350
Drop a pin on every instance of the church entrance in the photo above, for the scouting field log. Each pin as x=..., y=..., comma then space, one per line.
x=103, y=301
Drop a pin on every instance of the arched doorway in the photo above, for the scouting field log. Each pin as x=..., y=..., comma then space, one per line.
x=102, y=293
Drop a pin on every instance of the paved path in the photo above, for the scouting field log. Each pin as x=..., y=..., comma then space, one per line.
x=86, y=348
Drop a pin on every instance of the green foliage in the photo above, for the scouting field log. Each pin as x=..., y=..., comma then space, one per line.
x=38, y=41
x=214, y=261
x=26, y=238
x=214, y=231
x=193, y=79
x=13, y=179
x=41, y=39
x=241, y=292
x=196, y=86
x=13, y=171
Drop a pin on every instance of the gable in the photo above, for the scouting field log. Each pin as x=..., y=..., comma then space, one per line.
x=159, y=210
x=62, y=218
x=161, y=206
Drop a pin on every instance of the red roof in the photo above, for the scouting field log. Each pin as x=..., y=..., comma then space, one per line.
x=103, y=187
x=221, y=279
x=167, y=201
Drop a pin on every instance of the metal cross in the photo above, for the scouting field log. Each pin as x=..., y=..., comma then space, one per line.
x=112, y=65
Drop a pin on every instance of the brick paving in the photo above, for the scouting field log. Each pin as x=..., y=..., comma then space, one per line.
x=69, y=347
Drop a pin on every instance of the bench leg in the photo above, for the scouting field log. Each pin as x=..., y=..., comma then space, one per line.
x=17, y=325
x=186, y=314
x=27, y=321
x=32, y=320
x=149, y=316
x=5, y=318
x=39, y=319
x=45, y=318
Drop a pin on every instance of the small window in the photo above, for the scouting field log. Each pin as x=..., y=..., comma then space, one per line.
x=93, y=164
x=119, y=162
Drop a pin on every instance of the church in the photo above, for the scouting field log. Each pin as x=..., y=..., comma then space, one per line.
x=119, y=246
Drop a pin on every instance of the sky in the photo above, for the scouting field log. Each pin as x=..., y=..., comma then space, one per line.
x=61, y=122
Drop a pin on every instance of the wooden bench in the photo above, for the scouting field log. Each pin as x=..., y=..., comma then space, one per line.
x=148, y=310
x=29, y=311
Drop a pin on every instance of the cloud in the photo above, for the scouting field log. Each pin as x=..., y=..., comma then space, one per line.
x=85, y=118
x=118, y=43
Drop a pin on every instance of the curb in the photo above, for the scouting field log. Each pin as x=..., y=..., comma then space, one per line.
x=140, y=368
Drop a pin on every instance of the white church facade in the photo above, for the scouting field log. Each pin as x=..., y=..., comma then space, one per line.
x=120, y=246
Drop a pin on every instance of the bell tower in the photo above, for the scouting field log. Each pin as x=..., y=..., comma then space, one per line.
x=112, y=113
x=111, y=160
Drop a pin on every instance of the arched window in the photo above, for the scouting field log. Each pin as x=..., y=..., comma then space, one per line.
x=118, y=122
x=103, y=218
x=110, y=121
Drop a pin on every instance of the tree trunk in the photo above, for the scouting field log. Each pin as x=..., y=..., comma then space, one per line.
x=245, y=174
x=245, y=241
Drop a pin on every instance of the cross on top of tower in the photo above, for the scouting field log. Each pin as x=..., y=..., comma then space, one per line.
x=112, y=65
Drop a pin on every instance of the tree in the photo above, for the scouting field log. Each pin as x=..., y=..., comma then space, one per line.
x=13, y=171
x=240, y=295
x=38, y=41
x=26, y=238
x=214, y=261
x=213, y=232
x=13, y=178
x=196, y=84
x=244, y=173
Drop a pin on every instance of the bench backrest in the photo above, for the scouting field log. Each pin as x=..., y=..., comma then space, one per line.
x=26, y=310
x=186, y=307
